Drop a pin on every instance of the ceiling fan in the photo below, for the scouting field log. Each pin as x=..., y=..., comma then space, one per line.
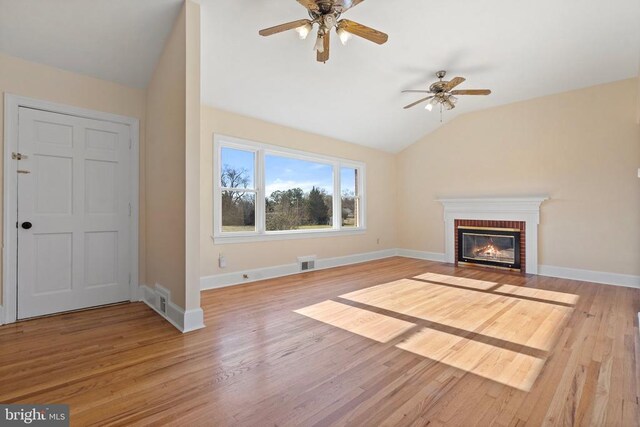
x=326, y=14
x=442, y=93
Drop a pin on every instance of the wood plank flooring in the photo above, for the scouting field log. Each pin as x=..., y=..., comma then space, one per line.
x=392, y=342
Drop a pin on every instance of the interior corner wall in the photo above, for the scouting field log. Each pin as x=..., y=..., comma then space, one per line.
x=380, y=192
x=166, y=166
x=25, y=78
x=192, y=157
x=582, y=148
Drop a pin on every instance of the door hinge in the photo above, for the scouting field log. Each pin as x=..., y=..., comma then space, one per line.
x=129, y=208
x=130, y=143
x=19, y=156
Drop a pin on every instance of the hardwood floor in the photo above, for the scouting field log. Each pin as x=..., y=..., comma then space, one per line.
x=390, y=342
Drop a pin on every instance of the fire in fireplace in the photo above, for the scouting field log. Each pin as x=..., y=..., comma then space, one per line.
x=497, y=247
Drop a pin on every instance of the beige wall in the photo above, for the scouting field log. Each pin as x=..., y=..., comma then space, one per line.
x=165, y=160
x=582, y=148
x=173, y=125
x=20, y=77
x=192, y=156
x=380, y=187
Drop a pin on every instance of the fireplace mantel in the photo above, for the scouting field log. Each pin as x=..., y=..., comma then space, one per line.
x=525, y=209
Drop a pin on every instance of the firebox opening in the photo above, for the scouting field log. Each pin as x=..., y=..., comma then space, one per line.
x=496, y=247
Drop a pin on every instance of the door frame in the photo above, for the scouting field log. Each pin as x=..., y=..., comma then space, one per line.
x=12, y=104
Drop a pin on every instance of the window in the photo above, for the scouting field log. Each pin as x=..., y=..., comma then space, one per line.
x=299, y=194
x=238, y=190
x=265, y=192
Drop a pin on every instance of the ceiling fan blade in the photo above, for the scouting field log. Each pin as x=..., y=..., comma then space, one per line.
x=310, y=5
x=326, y=43
x=416, y=91
x=471, y=92
x=454, y=82
x=283, y=27
x=344, y=5
x=413, y=104
x=363, y=31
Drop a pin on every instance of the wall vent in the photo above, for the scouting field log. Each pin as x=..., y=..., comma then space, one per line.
x=162, y=304
x=307, y=263
x=162, y=300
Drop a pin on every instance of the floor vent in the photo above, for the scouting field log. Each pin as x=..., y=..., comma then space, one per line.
x=307, y=263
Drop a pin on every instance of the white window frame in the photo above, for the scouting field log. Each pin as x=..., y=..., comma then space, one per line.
x=261, y=234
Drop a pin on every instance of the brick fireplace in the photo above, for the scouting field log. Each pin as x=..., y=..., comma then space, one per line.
x=488, y=227
x=513, y=213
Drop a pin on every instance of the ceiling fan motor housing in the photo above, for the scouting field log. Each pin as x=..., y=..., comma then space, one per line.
x=438, y=87
x=330, y=20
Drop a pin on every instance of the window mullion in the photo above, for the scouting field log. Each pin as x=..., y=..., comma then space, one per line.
x=360, y=185
x=337, y=198
x=260, y=193
x=217, y=192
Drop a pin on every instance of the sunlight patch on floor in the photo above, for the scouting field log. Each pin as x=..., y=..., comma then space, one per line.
x=513, y=319
x=365, y=323
x=542, y=294
x=495, y=363
x=497, y=331
x=457, y=281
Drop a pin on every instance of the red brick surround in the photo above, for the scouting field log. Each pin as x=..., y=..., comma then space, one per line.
x=520, y=225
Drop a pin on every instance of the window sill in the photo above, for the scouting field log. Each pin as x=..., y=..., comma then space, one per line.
x=275, y=236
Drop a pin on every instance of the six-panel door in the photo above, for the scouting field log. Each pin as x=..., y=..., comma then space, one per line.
x=73, y=189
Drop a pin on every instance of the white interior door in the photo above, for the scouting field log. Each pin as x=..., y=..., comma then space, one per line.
x=74, y=193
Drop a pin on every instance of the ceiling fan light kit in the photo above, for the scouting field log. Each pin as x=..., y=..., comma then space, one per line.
x=304, y=30
x=441, y=93
x=343, y=35
x=319, y=46
x=326, y=15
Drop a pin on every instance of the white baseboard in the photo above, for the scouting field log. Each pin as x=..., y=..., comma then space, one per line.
x=602, y=277
x=237, y=277
x=428, y=256
x=184, y=321
x=193, y=320
x=354, y=259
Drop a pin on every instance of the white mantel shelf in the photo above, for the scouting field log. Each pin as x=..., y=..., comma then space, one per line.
x=525, y=209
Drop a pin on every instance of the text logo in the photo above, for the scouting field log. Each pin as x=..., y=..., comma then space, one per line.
x=34, y=415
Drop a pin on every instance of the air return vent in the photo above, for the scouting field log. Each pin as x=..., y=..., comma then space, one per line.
x=307, y=262
x=307, y=265
x=163, y=299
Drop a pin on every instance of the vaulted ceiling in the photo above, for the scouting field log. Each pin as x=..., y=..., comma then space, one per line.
x=520, y=50
x=115, y=40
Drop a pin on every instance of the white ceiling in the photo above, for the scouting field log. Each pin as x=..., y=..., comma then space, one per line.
x=519, y=49
x=115, y=40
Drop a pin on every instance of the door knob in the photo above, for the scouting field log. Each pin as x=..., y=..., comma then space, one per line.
x=27, y=225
